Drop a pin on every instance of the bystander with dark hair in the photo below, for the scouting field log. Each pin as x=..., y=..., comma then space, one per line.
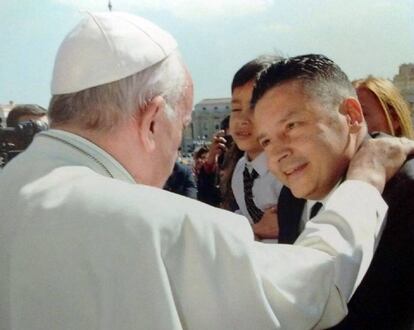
x=199, y=158
x=24, y=121
x=25, y=112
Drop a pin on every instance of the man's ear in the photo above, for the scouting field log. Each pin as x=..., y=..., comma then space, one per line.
x=148, y=119
x=352, y=110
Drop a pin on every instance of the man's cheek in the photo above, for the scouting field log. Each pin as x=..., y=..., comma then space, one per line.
x=274, y=169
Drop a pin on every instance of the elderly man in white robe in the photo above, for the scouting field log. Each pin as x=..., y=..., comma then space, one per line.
x=88, y=240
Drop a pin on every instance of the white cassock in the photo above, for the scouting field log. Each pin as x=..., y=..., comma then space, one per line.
x=81, y=250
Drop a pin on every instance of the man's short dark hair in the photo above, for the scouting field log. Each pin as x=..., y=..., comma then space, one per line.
x=24, y=110
x=320, y=76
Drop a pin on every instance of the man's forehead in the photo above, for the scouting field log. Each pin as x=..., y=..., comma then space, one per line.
x=273, y=117
x=293, y=86
x=283, y=98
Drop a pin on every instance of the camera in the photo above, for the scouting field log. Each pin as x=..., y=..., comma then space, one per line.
x=14, y=140
x=221, y=158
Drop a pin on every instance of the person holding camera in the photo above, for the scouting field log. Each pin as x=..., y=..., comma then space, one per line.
x=25, y=112
x=23, y=122
x=210, y=172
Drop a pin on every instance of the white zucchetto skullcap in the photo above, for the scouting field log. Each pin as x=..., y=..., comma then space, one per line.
x=106, y=47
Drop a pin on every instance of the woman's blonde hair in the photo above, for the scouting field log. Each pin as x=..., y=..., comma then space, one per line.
x=392, y=103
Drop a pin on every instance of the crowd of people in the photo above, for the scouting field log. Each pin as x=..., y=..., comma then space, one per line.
x=297, y=215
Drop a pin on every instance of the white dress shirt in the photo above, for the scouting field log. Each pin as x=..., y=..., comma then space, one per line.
x=84, y=247
x=266, y=188
x=310, y=203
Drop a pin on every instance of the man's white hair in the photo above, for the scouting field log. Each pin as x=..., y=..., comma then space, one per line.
x=104, y=107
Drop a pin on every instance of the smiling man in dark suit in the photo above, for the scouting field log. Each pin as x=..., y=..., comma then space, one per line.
x=311, y=124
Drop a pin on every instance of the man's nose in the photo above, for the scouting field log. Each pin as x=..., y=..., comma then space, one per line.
x=278, y=150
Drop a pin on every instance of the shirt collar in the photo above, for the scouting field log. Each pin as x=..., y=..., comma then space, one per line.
x=102, y=161
x=259, y=164
x=312, y=202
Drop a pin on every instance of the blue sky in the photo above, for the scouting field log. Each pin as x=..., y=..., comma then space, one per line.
x=216, y=37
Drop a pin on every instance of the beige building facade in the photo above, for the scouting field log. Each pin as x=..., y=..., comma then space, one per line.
x=404, y=81
x=208, y=115
x=206, y=119
x=4, y=111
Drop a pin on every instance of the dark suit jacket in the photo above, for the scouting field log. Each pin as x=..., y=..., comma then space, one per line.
x=208, y=188
x=181, y=181
x=289, y=212
x=385, y=297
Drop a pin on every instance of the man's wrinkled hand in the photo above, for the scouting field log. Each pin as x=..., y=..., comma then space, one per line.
x=377, y=160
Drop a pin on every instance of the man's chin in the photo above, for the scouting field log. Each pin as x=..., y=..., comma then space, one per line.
x=312, y=195
x=300, y=193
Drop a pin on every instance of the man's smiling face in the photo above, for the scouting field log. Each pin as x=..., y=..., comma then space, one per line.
x=306, y=142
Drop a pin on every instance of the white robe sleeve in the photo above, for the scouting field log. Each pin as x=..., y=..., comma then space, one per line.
x=348, y=230
x=97, y=253
x=232, y=284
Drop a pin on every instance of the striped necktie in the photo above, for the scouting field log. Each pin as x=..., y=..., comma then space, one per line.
x=248, y=180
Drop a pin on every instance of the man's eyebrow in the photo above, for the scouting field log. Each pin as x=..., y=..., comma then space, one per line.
x=289, y=115
x=283, y=120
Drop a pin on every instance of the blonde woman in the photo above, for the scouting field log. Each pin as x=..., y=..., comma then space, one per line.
x=385, y=110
